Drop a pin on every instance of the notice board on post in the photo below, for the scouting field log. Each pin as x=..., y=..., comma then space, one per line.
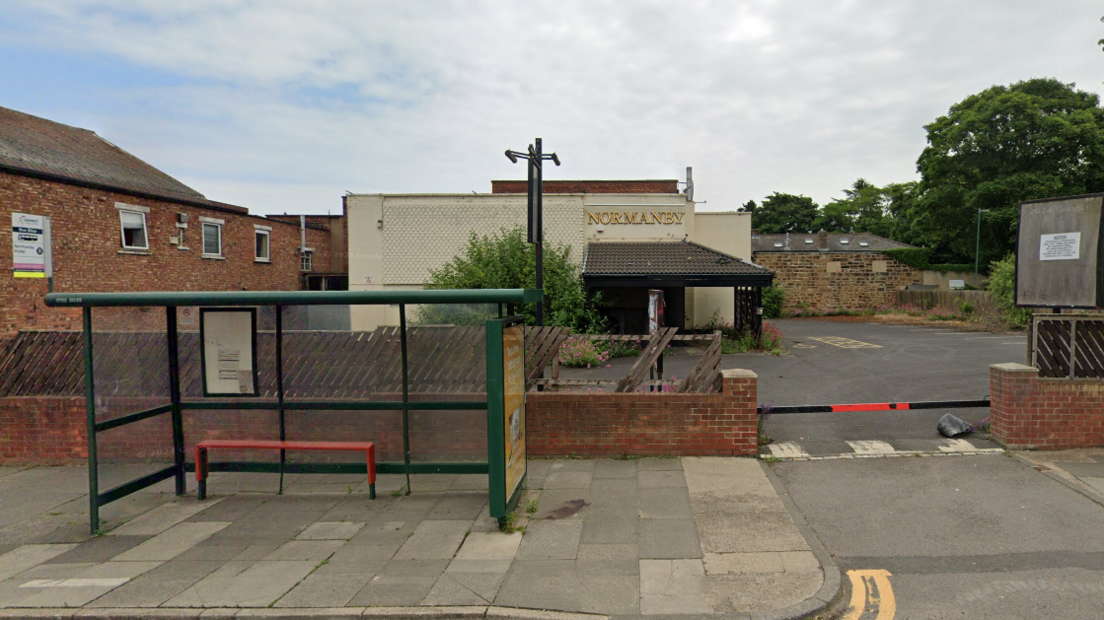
x=1059, y=253
x=505, y=413
x=228, y=351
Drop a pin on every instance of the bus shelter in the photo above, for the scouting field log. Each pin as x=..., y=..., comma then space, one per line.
x=239, y=378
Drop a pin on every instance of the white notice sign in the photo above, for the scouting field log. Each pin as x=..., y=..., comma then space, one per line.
x=1061, y=246
x=228, y=342
x=30, y=249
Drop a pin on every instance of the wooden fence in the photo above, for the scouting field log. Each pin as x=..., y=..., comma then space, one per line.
x=982, y=301
x=1068, y=347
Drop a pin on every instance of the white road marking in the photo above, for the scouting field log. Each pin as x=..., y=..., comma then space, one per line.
x=76, y=583
x=872, y=446
x=988, y=338
x=788, y=450
x=957, y=445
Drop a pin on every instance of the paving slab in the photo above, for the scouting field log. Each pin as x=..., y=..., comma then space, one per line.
x=612, y=559
x=355, y=555
x=567, y=479
x=458, y=506
x=550, y=540
x=610, y=526
x=243, y=584
x=99, y=549
x=561, y=504
x=230, y=508
x=325, y=590
x=308, y=550
x=665, y=503
x=658, y=464
x=489, y=546
x=434, y=540
x=668, y=539
x=561, y=465
x=614, y=468
x=162, y=518
x=400, y=583
x=555, y=585
x=153, y=588
x=88, y=585
x=464, y=588
x=386, y=531
x=662, y=478
x=673, y=587
x=172, y=542
x=28, y=556
x=761, y=592
x=328, y=530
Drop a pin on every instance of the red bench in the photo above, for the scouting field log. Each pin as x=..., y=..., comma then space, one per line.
x=201, y=448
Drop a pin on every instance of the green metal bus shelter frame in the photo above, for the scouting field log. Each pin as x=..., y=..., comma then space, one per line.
x=177, y=405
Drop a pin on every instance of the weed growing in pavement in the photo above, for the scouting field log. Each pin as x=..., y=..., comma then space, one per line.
x=399, y=491
x=531, y=506
x=509, y=524
x=763, y=413
x=769, y=459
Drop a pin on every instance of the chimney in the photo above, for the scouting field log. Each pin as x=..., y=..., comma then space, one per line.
x=689, y=184
x=822, y=240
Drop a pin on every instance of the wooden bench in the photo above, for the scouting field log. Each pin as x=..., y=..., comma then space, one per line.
x=201, y=448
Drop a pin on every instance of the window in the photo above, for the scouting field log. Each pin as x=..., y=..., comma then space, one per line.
x=306, y=259
x=134, y=230
x=212, y=239
x=262, y=245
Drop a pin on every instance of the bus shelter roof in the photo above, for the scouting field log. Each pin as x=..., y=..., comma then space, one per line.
x=293, y=298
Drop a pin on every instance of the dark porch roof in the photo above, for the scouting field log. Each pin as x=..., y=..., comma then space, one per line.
x=667, y=263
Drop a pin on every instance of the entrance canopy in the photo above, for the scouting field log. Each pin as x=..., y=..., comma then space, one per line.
x=657, y=264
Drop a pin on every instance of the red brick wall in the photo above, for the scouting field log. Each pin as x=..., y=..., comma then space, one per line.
x=665, y=186
x=87, y=258
x=1049, y=414
x=645, y=424
x=808, y=285
x=51, y=430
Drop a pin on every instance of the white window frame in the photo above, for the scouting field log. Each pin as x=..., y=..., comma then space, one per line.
x=135, y=210
x=306, y=260
x=267, y=232
x=218, y=224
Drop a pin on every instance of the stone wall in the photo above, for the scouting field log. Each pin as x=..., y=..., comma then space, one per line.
x=832, y=281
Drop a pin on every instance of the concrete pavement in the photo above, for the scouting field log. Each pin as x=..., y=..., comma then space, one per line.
x=616, y=538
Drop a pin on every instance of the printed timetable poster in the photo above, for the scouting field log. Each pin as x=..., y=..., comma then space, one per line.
x=229, y=351
x=513, y=383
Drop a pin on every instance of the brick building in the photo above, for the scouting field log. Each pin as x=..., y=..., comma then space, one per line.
x=828, y=272
x=119, y=224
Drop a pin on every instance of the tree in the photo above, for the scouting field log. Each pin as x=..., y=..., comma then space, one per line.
x=506, y=260
x=749, y=206
x=782, y=213
x=1035, y=139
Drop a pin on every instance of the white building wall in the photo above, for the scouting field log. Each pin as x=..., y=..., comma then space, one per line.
x=728, y=232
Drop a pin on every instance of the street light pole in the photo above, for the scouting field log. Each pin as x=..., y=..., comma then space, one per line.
x=535, y=187
x=977, y=243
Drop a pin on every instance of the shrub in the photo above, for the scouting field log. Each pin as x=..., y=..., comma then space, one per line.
x=580, y=352
x=773, y=298
x=1002, y=286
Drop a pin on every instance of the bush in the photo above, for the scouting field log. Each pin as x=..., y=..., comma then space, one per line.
x=580, y=352
x=505, y=260
x=1002, y=286
x=773, y=298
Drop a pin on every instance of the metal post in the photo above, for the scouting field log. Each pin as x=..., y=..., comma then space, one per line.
x=539, y=194
x=90, y=405
x=280, y=388
x=405, y=396
x=174, y=398
x=977, y=243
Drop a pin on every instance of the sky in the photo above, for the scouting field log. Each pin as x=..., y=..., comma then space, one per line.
x=284, y=105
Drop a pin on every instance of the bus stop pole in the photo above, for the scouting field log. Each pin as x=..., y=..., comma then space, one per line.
x=90, y=405
x=405, y=396
x=174, y=398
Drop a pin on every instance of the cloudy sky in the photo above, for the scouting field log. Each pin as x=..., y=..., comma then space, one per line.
x=283, y=105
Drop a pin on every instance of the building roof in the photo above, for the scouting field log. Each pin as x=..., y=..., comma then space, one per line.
x=822, y=241
x=41, y=148
x=663, y=257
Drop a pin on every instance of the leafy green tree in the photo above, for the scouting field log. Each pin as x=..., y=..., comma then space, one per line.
x=1034, y=139
x=782, y=213
x=506, y=260
x=749, y=206
x=1002, y=285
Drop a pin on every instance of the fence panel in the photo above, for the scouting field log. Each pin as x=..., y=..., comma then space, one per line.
x=982, y=301
x=1068, y=347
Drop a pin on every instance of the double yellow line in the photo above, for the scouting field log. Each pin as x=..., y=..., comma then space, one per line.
x=871, y=595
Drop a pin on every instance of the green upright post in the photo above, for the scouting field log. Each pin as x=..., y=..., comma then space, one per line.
x=405, y=396
x=174, y=398
x=280, y=387
x=90, y=405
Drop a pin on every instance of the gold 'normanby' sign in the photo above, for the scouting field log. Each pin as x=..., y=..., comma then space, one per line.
x=635, y=217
